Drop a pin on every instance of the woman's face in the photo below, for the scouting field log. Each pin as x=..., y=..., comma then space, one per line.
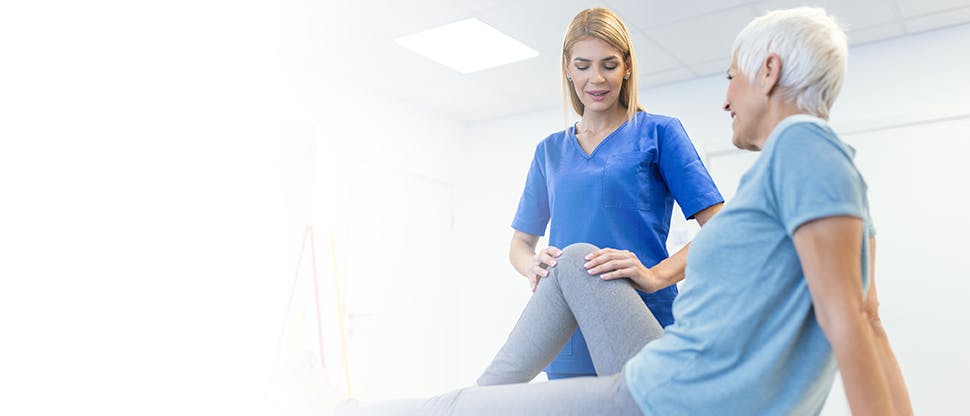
x=746, y=105
x=597, y=70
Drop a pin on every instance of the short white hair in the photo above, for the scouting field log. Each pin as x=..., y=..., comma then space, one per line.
x=813, y=51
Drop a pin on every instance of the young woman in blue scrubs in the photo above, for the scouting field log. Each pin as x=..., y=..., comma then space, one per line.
x=781, y=293
x=610, y=180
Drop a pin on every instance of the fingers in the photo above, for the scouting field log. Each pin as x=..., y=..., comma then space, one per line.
x=608, y=252
x=547, y=256
x=629, y=272
x=541, y=262
x=608, y=259
x=538, y=270
x=610, y=266
x=554, y=251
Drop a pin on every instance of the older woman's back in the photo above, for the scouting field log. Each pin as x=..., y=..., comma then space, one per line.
x=745, y=339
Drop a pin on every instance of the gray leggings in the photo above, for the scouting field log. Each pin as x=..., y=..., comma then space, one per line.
x=615, y=323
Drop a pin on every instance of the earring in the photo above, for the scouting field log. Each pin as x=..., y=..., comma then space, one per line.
x=626, y=76
x=569, y=78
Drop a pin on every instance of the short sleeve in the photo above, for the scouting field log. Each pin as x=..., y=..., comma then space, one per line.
x=813, y=177
x=532, y=215
x=684, y=173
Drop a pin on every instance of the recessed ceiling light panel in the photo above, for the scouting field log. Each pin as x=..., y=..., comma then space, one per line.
x=467, y=46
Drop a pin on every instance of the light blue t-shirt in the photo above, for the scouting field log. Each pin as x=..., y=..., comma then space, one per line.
x=745, y=340
x=619, y=196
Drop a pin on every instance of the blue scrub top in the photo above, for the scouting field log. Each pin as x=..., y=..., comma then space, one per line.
x=619, y=196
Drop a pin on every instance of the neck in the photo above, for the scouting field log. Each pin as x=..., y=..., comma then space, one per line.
x=776, y=113
x=596, y=121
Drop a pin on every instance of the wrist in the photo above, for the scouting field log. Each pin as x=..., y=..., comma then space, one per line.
x=522, y=265
x=663, y=275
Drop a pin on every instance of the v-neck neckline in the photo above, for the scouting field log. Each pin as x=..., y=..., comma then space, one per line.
x=575, y=139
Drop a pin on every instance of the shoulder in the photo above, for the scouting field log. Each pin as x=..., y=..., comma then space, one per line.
x=808, y=152
x=650, y=121
x=662, y=128
x=555, y=139
x=551, y=143
x=806, y=137
x=650, y=130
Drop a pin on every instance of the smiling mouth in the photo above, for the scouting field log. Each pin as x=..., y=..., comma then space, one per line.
x=597, y=93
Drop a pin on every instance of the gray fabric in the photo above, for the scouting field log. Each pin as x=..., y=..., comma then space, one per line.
x=614, y=320
x=582, y=396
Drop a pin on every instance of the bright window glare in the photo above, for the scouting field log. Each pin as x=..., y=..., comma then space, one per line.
x=467, y=46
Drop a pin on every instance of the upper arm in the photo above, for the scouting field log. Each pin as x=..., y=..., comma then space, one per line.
x=819, y=198
x=529, y=240
x=829, y=250
x=533, y=213
x=704, y=215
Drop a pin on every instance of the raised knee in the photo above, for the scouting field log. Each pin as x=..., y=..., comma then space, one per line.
x=570, y=270
x=576, y=253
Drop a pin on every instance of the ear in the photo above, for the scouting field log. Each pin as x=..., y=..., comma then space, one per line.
x=771, y=74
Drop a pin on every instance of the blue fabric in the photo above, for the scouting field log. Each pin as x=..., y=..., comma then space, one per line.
x=745, y=340
x=619, y=196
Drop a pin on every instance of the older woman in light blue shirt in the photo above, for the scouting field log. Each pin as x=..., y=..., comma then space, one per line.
x=779, y=293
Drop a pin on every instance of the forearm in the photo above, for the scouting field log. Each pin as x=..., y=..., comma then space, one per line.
x=671, y=269
x=853, y=342
x=520, y=255
x=894, y=375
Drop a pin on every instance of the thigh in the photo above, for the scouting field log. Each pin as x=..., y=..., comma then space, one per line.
x=566, y=397
x=607, y=395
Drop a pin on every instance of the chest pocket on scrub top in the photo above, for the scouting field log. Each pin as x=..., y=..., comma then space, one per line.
x=626, y=181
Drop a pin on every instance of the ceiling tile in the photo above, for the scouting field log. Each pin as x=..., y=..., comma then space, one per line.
x=675, y=41
x=388, y=63
x=452, y=97
x=937, y=20
x=915, y=8
x=651, y=57
x=647, y=14
x=393, y=19
x=855, y=14
x=666, y=77
x=534, y=77
x=478, y=6
x=518, y=108
x=873, y=34
x=712, y=67
x=539, y=24
x=703, y=38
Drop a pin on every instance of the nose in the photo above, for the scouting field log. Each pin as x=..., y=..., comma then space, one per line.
x=726, y=106
x=597, y=77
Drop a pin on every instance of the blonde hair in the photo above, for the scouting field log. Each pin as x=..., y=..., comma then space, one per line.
x=601, y=23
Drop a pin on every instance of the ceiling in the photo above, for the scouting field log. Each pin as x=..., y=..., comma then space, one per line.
x=674, y=41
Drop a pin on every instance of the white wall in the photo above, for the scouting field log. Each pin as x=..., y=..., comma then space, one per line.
x=905, y=107
x=393, y=207
x=158, y=167
x=153, y=173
